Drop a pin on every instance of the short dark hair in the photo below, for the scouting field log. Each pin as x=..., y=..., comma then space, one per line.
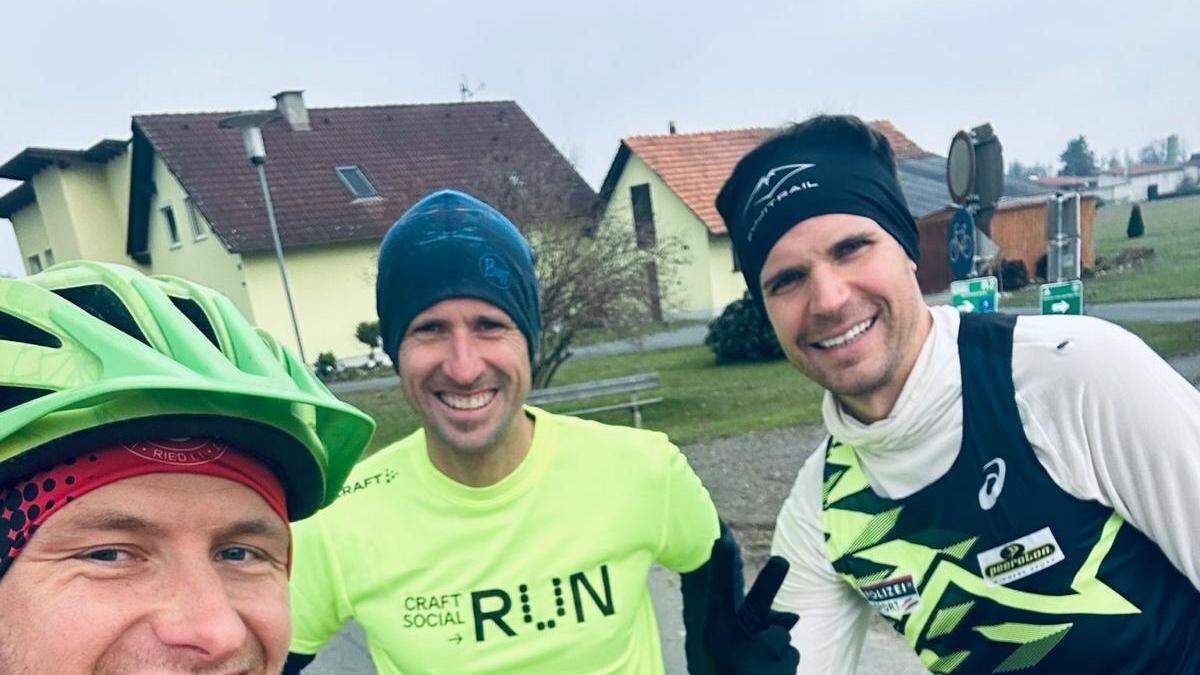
x=836, y=131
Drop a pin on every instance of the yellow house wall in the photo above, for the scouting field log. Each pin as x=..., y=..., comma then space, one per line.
x=30, y=232
x=79, y=212
x=204, y=260
x=333, y=288
x=99, y=230
x=687, y=288
x=56, y=216
x=727, y=285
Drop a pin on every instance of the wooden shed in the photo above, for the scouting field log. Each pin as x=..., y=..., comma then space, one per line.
x=1018, y=228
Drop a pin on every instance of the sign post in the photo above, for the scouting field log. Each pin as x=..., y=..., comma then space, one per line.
x=975, y=179
x=975, y=295
x=960, y=244
x=1065, y=297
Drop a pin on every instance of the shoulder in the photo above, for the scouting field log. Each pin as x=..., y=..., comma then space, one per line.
x=388, y=465
x=802, y=508
x=578, y=435
x=1058, y=351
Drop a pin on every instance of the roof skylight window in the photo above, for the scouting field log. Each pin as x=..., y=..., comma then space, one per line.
x=356, y=181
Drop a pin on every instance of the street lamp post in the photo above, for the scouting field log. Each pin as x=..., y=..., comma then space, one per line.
x=250, y=124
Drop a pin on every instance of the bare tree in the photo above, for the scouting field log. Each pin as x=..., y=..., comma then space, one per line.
x=593, y=272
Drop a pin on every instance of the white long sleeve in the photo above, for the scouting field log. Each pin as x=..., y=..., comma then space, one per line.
x=1107, y=418
x=833, y=618
x=1114, y=423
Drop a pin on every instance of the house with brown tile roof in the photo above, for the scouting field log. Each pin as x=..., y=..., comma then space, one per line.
x=180, y=198
x=666, y=186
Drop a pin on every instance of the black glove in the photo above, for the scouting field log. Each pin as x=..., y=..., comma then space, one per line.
x=742, y=635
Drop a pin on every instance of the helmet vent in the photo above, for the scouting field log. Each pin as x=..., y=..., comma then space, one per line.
x=11, y=397
x=19, y=330
x=102, y=303
x=192, y=310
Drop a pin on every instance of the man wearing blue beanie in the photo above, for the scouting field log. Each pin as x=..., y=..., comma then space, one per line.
x=498, y=538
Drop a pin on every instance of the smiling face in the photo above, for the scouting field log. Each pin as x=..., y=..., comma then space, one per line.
x=464, y=367
x=843, y=299
x=160, y=573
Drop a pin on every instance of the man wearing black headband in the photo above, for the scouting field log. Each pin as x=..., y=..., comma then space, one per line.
x=1007, y=494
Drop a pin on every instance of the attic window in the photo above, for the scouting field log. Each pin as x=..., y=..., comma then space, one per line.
x=356, y=181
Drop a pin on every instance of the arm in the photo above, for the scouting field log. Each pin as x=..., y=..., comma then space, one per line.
x=732, y=634
x=725, y=633
x=319, y=607
x=833, y=618
x=297, y=662
x=1113, y=422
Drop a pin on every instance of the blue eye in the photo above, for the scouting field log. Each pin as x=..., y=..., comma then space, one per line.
x=237, y=554
x=107, y=555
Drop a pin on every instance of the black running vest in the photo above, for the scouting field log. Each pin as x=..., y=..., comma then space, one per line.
x=993, y=568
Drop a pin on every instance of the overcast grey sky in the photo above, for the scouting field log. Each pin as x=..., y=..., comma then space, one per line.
x=591, y=73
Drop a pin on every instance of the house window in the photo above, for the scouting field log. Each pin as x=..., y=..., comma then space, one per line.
x=48, y=257
x=643, y=226
x=198, y=232
x=35, y=264
x=172, y=228
x=643, y=215
x=356, y=181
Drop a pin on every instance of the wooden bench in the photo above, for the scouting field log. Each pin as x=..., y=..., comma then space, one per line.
x=630, y=384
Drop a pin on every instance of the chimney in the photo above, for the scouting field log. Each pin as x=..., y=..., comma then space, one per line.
x=671, y=127
x=290, y=104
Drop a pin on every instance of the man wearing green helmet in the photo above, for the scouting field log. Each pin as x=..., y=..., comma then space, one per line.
x=153, y=448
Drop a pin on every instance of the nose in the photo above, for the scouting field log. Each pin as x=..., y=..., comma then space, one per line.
x=828, y=291
x=464, y=364
x=198, y=616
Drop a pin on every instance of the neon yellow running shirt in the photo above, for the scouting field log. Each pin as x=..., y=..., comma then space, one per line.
x=543, y=572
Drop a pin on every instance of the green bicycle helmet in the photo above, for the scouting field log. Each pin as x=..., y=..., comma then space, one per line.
x=94, y=353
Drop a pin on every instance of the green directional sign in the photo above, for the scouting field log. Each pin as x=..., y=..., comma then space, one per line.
x=974, y=295
x=1064, y=297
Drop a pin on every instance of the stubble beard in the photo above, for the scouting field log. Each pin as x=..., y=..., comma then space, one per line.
x=445, y=435
x=251, y=659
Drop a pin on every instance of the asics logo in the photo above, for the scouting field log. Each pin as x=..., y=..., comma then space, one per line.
x=993, y=483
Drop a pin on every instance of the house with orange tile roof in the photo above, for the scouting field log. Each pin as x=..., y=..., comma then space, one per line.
x=665, y=186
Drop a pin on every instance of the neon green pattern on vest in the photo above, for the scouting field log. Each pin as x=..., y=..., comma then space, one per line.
x=859, y=527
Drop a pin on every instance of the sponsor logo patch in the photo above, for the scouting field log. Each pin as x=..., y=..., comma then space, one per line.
x=893, y=598
x=1020, y=558
x=178, y=451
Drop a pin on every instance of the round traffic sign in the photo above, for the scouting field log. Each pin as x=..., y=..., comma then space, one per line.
x=960, y=243
x=960, y=167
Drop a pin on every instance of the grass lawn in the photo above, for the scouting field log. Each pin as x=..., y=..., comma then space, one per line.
x=706, y=401
x=1172, y=230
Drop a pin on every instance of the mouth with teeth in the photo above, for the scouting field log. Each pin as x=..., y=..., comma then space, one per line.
x=467, y=402
x=849, y=337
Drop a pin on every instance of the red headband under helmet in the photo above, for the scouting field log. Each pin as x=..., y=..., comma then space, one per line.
x=26, y=504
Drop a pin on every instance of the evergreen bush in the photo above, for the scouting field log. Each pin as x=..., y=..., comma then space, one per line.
x=742, y=333
x=1136, y=227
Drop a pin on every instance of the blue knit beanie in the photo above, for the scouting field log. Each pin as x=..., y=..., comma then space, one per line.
x=451, y=245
